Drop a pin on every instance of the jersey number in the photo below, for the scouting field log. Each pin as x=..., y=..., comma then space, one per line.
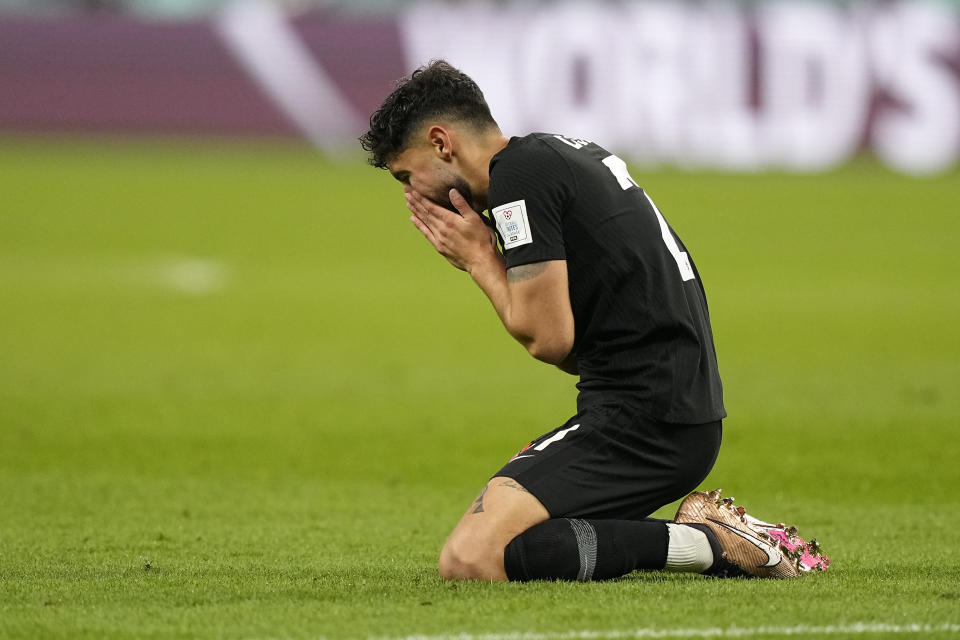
x=619, y=170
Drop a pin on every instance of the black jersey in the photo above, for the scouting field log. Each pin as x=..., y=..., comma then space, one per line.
x=642, y=326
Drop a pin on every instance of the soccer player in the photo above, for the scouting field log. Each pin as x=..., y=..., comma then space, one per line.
x=584, y=271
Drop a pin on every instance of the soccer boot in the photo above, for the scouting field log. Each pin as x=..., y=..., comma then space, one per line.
x=760, y=549
x=721, y=567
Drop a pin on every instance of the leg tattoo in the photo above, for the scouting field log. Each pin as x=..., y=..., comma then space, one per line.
x=478, y=503
x=513, y=485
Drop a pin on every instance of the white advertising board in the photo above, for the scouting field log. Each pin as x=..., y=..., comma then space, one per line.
x=791, y=85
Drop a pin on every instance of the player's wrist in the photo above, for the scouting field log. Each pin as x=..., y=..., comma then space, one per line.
x=484, y=262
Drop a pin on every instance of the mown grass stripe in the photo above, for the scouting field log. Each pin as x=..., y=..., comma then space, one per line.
x=706, y=632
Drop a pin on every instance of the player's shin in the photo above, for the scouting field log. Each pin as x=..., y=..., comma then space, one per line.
x=572, y=549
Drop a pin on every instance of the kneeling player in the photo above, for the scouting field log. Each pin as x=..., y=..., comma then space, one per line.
x=590, y=278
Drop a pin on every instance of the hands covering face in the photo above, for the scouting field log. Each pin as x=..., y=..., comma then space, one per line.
x=463, y=239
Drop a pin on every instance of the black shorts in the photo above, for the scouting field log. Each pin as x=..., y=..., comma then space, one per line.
x=610, y=461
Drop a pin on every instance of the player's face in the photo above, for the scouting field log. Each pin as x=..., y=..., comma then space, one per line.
x=419, y=169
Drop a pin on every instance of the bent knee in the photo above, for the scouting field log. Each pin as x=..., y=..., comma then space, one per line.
x=460, y=561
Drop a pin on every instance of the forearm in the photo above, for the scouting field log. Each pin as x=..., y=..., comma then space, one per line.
x=532, y=323
x=532, y=299
x=491, y=276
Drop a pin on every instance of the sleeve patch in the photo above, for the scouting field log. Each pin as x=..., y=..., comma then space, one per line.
x=512, y=223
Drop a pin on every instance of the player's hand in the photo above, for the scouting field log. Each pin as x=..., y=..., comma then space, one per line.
x=464, y=240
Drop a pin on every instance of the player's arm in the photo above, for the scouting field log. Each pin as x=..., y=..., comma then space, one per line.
x=569, y=364
x=532, y=300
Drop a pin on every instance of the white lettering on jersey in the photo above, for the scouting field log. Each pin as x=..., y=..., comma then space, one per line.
x=512, y=223
x=619, y=170
x=681, y=257
x=576, y=143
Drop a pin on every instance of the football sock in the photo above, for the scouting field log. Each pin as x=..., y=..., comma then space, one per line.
x=572, y=549
x=689, y=549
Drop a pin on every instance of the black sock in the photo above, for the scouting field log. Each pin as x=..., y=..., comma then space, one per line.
x=570, y=549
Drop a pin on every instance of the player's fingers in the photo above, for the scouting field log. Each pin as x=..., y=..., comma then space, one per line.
x=467, y=213
x=461, y=204
x=425, y=230
x=416, y=208
x=412, y=203
x=430, y=233
x=413, y=199
x=427, y=209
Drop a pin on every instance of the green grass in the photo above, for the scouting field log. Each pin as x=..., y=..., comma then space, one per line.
x=282, y=455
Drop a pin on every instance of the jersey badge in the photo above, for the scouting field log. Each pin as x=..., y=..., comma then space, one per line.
x=512, y=223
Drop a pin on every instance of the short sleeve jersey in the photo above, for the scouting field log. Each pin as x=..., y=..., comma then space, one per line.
x=642, y=327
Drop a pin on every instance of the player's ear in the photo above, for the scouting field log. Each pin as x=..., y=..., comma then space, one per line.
x=440, y=140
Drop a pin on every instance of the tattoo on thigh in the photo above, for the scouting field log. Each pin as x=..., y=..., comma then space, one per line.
x=478, y=503
x=511, y=484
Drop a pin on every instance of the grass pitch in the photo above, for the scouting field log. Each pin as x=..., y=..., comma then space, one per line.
x=240, y=397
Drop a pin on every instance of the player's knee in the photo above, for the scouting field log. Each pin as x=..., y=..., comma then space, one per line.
x=460, y=561
x=449, y=564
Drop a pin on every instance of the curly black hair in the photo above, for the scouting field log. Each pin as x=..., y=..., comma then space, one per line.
x=435, y=90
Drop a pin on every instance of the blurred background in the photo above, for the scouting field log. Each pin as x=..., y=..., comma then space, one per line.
x=802, y=86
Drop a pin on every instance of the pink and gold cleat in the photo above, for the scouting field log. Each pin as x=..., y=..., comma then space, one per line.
x=758, y=548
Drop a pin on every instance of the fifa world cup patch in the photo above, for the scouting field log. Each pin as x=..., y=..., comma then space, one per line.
x=512, y=224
